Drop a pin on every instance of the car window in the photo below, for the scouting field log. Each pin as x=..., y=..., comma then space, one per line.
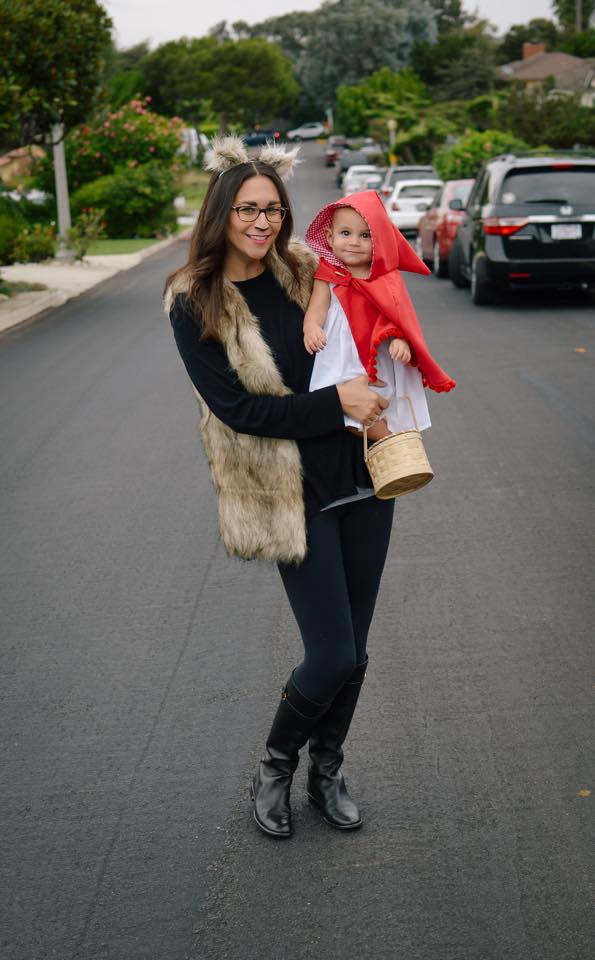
x=418, y=190
x=438, y=198
x=549, y=185
x=461, y=192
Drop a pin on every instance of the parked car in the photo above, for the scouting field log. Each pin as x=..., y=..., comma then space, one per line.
x=258, y=137
x=529, y=222
x=307, y=131
x=409, y=201
x=349, y=158
x=404, y=172
x=438, y=226
x=361, y=177
x=333, y=150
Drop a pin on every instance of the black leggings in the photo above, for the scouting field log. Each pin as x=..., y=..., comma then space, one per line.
x=333, y=592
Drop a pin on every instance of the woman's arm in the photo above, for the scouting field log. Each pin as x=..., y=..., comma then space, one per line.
x=293, y=417
x=315, y=317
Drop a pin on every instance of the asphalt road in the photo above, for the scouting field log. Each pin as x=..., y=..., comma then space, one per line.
x=141, y=667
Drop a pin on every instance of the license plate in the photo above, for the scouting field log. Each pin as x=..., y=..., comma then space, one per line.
x=566, y=231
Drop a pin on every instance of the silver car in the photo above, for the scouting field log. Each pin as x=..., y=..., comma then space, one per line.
x=362, y=176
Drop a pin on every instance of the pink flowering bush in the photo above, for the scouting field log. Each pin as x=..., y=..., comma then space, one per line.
x=114, y=141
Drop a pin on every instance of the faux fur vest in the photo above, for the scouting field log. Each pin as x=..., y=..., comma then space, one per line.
x=258, y=480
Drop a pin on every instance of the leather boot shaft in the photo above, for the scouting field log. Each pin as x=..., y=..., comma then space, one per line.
x=326, y=784
x=292, y=725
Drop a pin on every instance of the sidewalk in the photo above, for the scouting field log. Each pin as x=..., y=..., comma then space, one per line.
x=65, y=281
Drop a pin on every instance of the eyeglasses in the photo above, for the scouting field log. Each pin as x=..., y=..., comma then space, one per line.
x=249, y=213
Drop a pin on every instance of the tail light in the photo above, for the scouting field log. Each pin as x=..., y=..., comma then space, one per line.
x=386, y=191
x=504, y=226
x=277, y=135
x=394, y=205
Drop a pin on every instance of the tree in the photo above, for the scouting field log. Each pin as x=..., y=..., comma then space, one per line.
x=51, y=57
x=240, y=80
x=566, y=11
x=542, y=117
x=124, y=77
x=461, y=66
x=450, y=15
x=365, y=37
x=538, y=30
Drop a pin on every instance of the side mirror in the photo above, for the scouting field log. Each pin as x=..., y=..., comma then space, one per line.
x=456, y=204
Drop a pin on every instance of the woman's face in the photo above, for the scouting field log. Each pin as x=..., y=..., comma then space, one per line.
x=250, y=241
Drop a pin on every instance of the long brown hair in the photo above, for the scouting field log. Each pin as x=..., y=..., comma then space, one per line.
x=204, y=268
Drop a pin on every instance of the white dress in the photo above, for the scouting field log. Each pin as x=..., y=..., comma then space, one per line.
x=339, y=361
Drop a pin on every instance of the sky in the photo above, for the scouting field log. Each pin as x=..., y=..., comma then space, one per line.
x=161, y=20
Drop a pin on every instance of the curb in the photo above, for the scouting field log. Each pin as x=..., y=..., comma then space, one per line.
x=25, y=310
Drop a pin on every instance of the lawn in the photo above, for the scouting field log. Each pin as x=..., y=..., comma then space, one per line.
x=105, y=247
x=192, y=185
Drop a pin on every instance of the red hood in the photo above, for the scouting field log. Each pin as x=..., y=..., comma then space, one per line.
x=390, y=249
x=377, y=307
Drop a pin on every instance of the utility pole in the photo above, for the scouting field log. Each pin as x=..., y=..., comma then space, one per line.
x=578, y=16
x=62, y=200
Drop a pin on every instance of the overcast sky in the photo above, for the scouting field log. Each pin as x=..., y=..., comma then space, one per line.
x=161, y=20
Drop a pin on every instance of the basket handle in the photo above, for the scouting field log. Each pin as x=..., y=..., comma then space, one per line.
x=405, y=397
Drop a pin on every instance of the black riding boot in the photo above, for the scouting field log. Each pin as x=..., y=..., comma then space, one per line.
x=326, y=786
x=291, y=728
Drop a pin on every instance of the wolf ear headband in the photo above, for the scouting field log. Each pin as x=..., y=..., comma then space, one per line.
x=224, y=153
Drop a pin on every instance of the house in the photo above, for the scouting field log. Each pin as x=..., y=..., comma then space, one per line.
x=571, y=75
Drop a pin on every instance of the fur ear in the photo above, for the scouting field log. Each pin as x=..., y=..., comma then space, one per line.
x=282, y=160
x=224, y=153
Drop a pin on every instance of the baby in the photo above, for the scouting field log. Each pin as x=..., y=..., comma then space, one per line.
x=350, y=240
x=360, y=319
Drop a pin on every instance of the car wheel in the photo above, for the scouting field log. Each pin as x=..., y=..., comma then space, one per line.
x=455, y=271
x=439, y=265
x=482, y=293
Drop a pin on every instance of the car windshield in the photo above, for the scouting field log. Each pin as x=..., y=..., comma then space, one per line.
x=405, y=174
x=419, y=190
x=461, y=191
x=550, y=185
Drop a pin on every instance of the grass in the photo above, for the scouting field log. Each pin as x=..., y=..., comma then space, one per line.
x=102, y=248
x=193, y=185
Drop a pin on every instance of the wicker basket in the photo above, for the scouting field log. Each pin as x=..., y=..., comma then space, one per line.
x=398, y=463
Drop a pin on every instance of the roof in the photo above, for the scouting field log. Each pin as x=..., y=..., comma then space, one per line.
x=541, y=66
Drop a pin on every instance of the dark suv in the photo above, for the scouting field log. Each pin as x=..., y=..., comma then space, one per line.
x=258, y=137
x=529, y=222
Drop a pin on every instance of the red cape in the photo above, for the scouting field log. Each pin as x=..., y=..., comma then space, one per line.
x=377, y=307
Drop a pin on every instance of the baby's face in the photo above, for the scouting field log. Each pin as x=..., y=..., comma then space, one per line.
x=350, y=239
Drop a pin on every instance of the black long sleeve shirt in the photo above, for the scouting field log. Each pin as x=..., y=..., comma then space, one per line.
x=332, y=458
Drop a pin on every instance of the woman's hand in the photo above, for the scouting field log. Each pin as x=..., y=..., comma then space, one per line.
x=359, y=402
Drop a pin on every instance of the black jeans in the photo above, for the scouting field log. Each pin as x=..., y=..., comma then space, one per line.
x=333, y=592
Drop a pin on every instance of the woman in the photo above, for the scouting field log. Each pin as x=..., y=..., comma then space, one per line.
x=291, y=483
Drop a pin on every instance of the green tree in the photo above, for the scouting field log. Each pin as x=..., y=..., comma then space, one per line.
x=538, y=30
x=566, y=13
x=124, y=77
x=51, y=59
x=450, y=15
x=466, y=156
x=344, y=42
x=541, y=117
x=240, y=80
x=461, y=66
x=580, y=44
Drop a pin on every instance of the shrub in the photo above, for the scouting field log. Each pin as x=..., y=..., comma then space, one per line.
x=137, y=201
x=9, y=231
x=11, y=224
x=34, y=243
x=87, y=228
x=112, y=141
x=465, y=157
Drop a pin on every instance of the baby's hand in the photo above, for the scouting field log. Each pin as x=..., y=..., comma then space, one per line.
x=314, y=338
x=400, y=350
